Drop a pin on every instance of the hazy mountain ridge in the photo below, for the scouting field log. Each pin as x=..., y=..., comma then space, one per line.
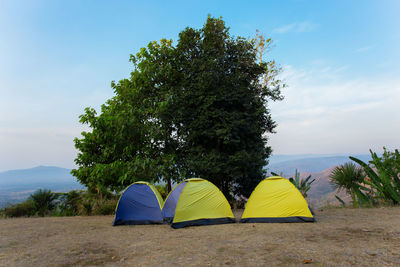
x=17, y=185
x=310, y=164
x=37, y=174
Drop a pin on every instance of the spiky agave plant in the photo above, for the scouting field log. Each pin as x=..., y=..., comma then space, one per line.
x=302, y=184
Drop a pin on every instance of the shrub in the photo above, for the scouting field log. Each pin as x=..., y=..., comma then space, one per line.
x=383, y=175
x=350, y=177
x=106, y=207
x=86, y=206
x=69, y=203
x=24, y=209
x=303, y=185
x=43, y=201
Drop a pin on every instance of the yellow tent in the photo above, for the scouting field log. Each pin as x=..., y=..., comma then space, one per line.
x=196, y=202
x=276, y=199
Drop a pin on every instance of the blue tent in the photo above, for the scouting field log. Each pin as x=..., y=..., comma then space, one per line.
x=140, y=203
x=168, y=210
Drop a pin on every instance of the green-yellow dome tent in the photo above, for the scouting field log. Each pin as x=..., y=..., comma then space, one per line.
x=276, y=199
x=196, y=201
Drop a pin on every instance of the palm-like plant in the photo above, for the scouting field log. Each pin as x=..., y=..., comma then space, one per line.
x=349, y=177
x=43, y=201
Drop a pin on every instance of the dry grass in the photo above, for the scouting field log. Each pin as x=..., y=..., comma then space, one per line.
x=341, y=237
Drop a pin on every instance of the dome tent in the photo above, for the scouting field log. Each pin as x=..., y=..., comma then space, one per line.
x=140, y=203
x=196, y=201
x=276, y=199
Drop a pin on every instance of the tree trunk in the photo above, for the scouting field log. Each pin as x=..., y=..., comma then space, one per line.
x=169, y=188
x=353, y=196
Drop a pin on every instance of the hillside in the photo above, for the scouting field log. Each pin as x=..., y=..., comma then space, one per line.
x=309, y=163
x=17, y=185
x=322, y=193
x=341, y=237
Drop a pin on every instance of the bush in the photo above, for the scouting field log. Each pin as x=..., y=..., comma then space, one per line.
x=350, y=177
x=44, y=201
x=69, y=203
x=106, y=207
x=383, y=175
x=24, y=209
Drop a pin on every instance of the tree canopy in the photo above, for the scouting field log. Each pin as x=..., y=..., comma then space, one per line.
x=199, y=108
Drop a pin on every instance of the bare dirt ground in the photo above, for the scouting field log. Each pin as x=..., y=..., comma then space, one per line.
x=341, y=237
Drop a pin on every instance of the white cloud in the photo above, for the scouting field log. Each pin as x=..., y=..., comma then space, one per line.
x=285, y=28
x=329, y=114
x=298, y=27
x=364, y=48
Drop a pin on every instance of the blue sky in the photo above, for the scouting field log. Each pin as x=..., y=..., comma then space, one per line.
x=340, y=59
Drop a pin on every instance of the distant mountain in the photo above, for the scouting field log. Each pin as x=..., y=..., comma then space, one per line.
x=273, y=159
x=17, y=185
x=322, y=193
x=288, y=164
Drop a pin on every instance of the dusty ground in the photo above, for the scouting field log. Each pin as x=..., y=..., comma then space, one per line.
x=341, y=237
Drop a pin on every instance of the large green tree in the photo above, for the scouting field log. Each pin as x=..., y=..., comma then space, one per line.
x=195, y=109
x=132, y=137
x=223, y=115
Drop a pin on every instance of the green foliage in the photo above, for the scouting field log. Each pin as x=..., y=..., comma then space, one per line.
x=87, y=205
x=97, y=202
x=340, y=200
x=106, y=207
x=69, y=203
x=163, y=190
x=351, y=178
x=24, y=209
x=43, y=201
x=195, y=109
x=383, y=175
x=222, y=112
x=46, y=203
x=132, y=139
x=302, y=184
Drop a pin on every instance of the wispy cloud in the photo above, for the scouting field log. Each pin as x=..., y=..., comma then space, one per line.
x=285, y=28
x=298, y=27
x=364, y=48
x=333, y=114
